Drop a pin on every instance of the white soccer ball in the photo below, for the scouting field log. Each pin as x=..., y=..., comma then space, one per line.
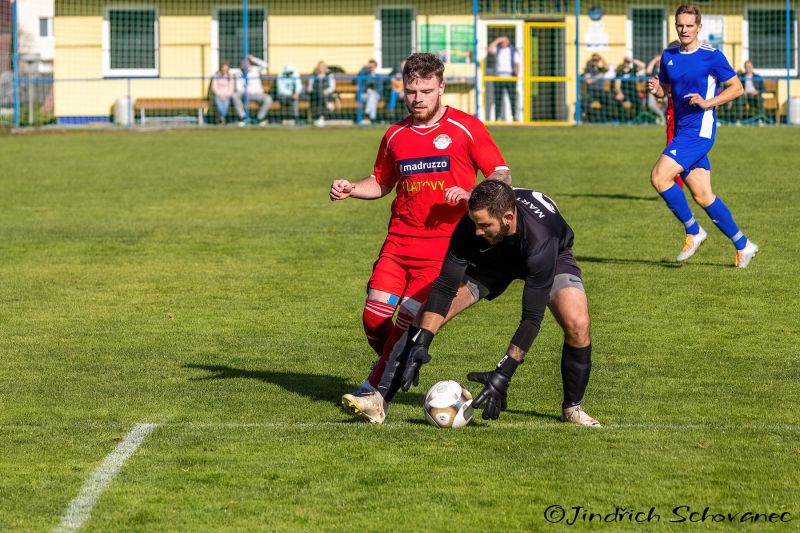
x=448, y=404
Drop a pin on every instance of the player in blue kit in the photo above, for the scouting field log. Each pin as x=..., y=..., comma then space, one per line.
x=691, y=72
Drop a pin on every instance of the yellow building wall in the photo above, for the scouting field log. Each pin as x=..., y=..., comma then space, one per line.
x=346, y=40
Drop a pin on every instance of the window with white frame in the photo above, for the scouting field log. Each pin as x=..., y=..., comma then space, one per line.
x=229, y=35
x=765, y=34
x=452, y=43
x=45, y=26
x=130, y=42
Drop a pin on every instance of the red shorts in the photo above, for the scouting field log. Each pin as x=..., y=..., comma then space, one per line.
x=408, y=266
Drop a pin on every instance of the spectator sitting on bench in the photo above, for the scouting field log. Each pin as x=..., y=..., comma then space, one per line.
x=594, y=75
x=288, y=89
x=222, y=86
x=397, y=91
x=321, y=86
x=373, y=87
x=255, y=68
x=625, y=92
x=751, y=99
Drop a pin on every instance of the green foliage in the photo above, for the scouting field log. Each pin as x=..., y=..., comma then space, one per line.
x=202, y=280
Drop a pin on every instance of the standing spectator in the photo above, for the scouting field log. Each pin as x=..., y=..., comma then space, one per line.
x=625, y=92
x=372, y=88
x=289, y=88
x=753, y=87
x=506, y=64
x=396, y=82
x=255, y=68
x=223, y=86
x=594, y=74
x=321, y=86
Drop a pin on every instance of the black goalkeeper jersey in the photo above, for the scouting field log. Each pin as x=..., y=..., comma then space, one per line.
x=531, y=254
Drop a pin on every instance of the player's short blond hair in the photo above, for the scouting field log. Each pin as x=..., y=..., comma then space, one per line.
x=689, y=9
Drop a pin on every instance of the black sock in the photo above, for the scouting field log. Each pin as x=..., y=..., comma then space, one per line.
x=576, y=364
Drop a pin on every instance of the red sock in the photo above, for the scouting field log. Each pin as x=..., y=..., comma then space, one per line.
x=403, y=321
x=377, y=320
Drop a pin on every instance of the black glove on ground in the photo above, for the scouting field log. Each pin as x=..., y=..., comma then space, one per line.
x=417, y=356
x=495, y=388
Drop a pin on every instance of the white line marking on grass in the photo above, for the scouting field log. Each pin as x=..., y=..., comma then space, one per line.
x=528, y=425
x=80, y=508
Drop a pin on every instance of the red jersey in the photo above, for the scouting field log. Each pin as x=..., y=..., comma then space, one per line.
x=670, y=120
x=671, y=132
x=424, y=161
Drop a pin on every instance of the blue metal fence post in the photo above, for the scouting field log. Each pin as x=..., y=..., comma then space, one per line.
x=246, y=50
x=15, y=60
x=475, y=60
x=129, y=103
x=577, y=62
x=788, y=66
x=360, y=111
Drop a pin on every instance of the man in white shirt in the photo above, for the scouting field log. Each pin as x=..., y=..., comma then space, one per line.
x=506, y=64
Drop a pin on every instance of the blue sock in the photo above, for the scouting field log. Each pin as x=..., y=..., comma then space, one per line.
x=677, y=203
x=720, y=215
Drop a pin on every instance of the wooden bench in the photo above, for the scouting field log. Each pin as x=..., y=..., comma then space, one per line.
x=195, y=105
x=770, y=99
x=346, y=95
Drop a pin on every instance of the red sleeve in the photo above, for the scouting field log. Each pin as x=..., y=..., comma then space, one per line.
x=385, y=170
x=484, y=151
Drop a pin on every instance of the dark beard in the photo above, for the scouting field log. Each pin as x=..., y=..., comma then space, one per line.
x=429, y=115
x=501, y=235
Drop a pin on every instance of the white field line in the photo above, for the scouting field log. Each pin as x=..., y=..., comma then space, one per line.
x=532, y=425
x=80, y=509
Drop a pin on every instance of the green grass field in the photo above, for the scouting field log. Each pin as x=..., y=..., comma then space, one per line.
x=202, y=281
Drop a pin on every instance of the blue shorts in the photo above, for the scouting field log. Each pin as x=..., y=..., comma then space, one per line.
x=690, y=152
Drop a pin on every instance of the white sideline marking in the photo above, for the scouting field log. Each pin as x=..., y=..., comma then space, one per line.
x=521, y=424
x=80, y=508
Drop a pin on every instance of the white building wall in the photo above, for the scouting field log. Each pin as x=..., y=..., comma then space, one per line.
x=35, y=49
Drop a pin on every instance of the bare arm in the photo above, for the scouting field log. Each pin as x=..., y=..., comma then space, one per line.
x=733, y=89
x=366, y=189
x=501, y=174
x=257, y=62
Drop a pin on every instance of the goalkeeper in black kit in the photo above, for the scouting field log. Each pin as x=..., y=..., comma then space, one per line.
x=507, y=234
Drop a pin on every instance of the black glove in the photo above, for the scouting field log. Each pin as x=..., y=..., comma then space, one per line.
x=494, y=393
x=417, y=348
x=417, y=356
x=495, y=388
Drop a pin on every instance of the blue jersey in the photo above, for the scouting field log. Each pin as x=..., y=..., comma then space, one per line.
x=700, y=71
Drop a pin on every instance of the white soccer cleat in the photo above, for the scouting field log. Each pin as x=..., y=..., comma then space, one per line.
x=369, y=406
x=691, y=244
x=576, y=415
x=745, y=255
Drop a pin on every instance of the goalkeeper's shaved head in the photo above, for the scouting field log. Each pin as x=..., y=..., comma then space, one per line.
x=422, y=65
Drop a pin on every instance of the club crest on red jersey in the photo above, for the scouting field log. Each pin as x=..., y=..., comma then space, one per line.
x=442, y=141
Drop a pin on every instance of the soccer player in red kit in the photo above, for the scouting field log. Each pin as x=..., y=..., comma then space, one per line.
x=431, y=159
